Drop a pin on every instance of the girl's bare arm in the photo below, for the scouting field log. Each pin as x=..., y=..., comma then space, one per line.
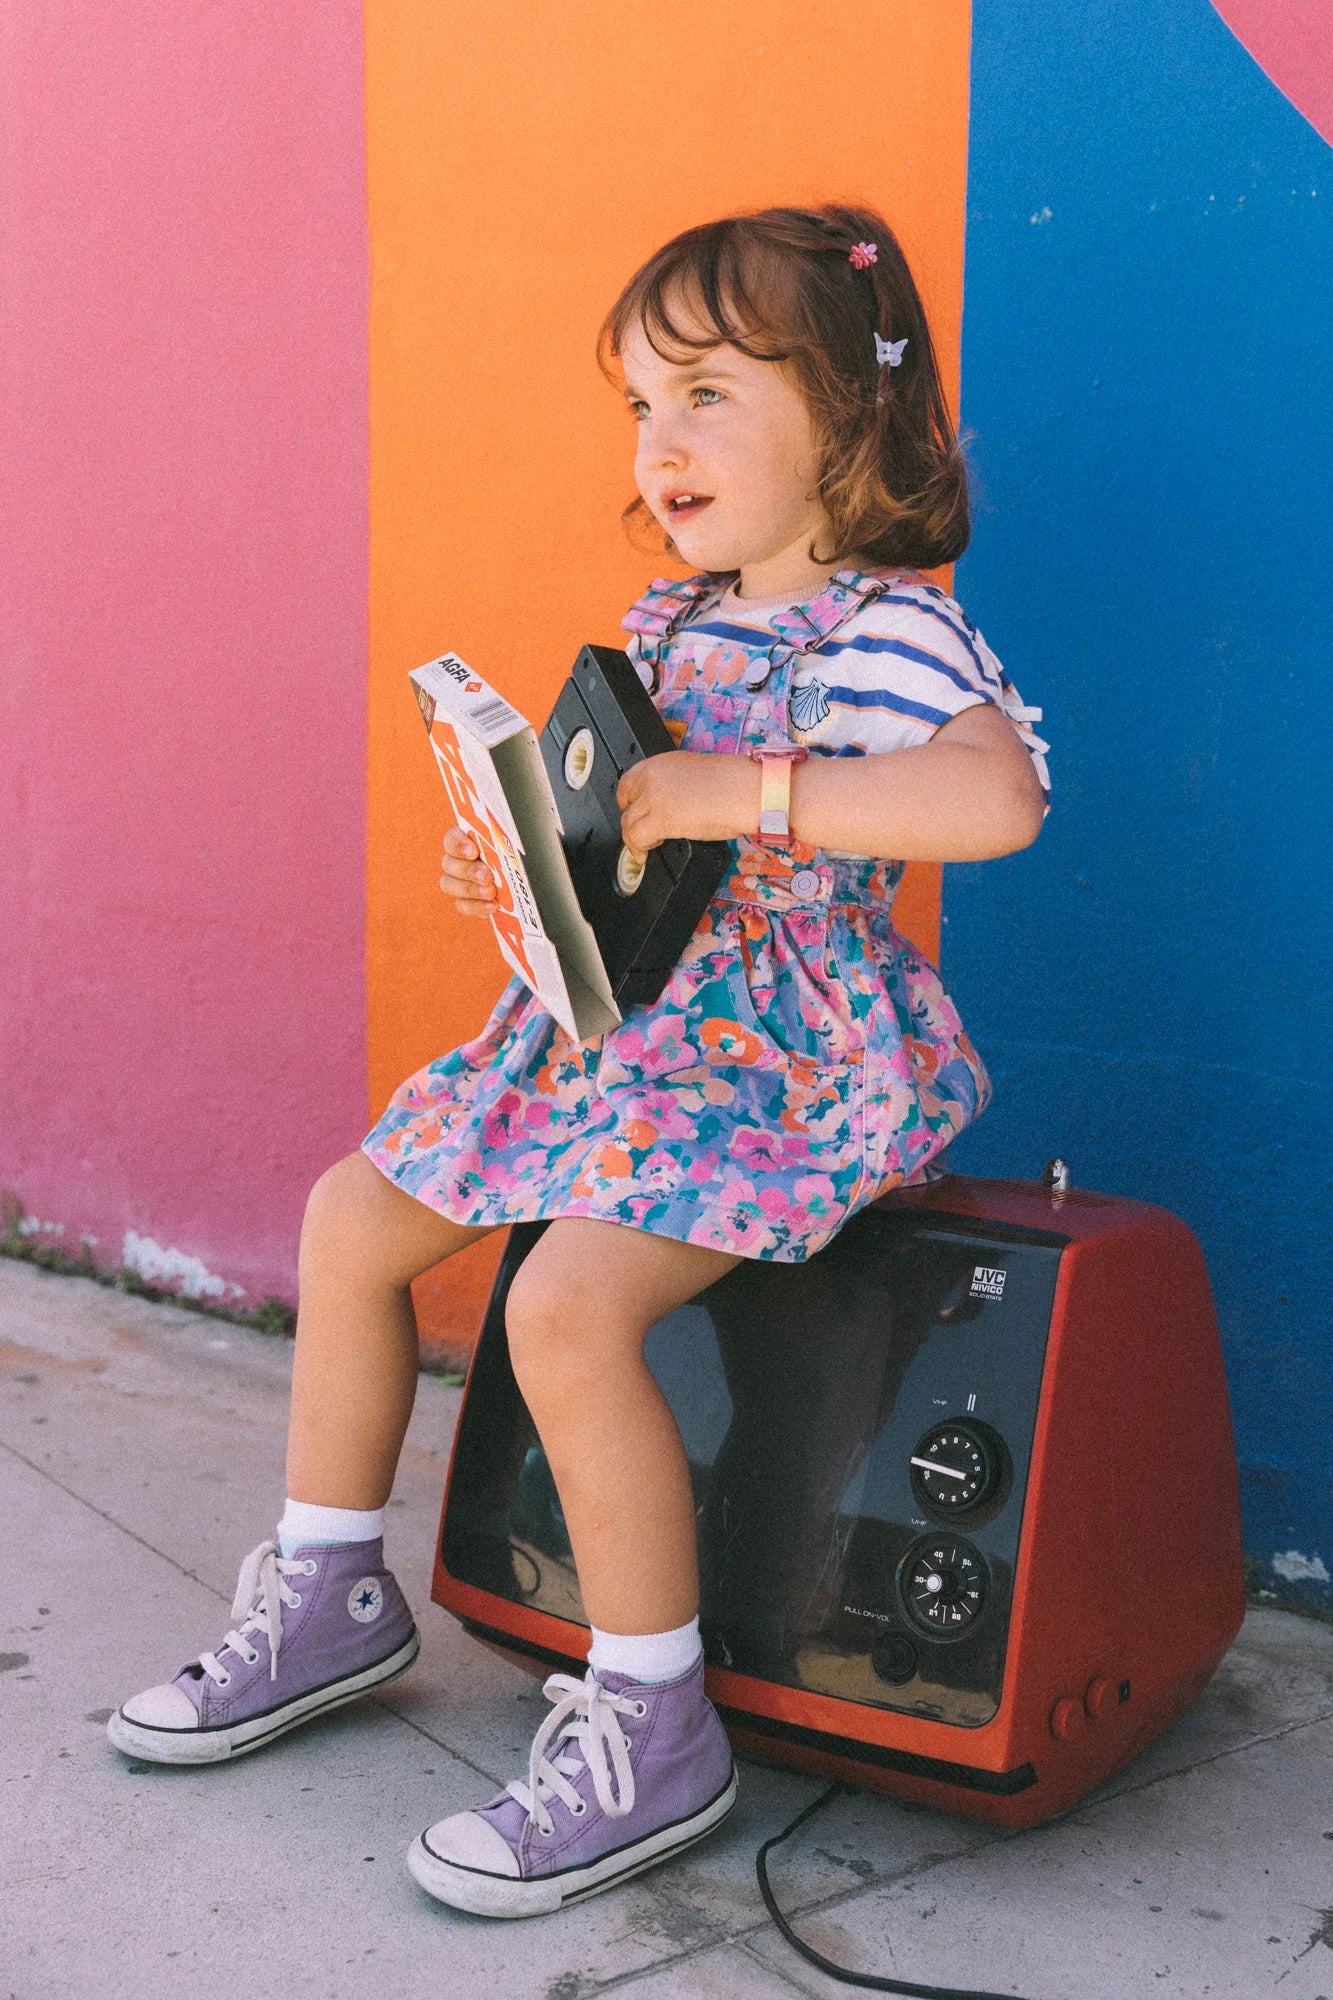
x=968, y=795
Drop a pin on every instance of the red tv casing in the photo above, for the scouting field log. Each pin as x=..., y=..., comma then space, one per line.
x=1125, y=1586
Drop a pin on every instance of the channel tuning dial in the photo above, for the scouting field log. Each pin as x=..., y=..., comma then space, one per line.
x=942, y=1581
x=956, y=1466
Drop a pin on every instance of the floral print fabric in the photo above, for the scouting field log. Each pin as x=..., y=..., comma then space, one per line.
x=802, y=1059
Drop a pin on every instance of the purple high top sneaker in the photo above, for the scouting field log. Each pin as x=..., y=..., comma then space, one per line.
x=616, y=1800
x=293, y=1653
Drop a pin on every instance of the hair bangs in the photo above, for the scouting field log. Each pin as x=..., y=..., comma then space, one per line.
x=699, y=292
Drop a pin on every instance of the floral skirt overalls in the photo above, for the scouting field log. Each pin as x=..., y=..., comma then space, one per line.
x=802, y=1059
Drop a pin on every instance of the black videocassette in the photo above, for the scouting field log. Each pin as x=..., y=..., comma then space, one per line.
x=603, y=722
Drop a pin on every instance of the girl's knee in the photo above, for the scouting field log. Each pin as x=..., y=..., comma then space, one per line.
x=536, y=1303
x=552, y=1315
x=340, y=1197
x=358, y=1219
x=352, y=1220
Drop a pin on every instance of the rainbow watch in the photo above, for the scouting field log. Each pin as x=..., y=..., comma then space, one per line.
x=775, y=759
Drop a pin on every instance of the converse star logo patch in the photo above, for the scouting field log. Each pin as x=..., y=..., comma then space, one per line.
x=366, y=1600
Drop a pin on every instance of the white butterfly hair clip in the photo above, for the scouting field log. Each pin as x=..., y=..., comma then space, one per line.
x=890, y=351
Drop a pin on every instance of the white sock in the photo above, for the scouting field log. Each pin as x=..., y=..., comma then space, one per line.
x=304, y=1525
x=646, y=1656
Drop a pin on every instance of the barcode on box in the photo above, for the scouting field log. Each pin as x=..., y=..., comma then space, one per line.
x=493, y=714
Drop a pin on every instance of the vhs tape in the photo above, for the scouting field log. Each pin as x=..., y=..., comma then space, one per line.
x=642, y=912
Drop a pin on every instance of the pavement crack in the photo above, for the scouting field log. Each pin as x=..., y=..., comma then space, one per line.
x=111, y=1520
x=225, y=1596
x=1178, y=1771
x=438, y=1742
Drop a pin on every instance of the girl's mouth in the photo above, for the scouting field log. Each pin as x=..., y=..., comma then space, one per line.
x=683, y=506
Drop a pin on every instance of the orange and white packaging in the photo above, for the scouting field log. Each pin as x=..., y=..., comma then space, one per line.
x=491, y=764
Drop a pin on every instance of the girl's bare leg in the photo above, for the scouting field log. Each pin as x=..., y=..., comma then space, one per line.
x=355, y=1373
x=577, y=1314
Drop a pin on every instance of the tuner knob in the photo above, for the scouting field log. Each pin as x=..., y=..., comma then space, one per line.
x=1069, y=1719
x=956, y=1466
x=1101, y=1698
x=943, y=1585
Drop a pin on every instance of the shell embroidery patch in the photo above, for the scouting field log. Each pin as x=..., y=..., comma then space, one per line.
x=808, y=705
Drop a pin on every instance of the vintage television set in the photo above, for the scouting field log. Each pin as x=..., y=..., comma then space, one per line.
x=966, y=1493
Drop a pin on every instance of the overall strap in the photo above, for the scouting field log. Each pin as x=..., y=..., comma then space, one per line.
x=656, y=618
x=665, y=605
x=805, y=626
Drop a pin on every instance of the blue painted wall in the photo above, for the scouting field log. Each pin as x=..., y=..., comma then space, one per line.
x=1148, y=361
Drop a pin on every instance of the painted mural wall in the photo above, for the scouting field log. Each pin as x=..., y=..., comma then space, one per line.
x=301, y=314
x=182, y=702
x=508, y=203
x=1149, y=297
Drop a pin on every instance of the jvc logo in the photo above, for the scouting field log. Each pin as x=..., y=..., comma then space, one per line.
x=987, y=1283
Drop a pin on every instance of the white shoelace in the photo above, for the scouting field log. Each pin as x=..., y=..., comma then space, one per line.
x=261, y=1590
x=587, y=1713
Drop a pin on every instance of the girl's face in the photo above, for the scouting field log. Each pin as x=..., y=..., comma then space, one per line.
x=727, y=462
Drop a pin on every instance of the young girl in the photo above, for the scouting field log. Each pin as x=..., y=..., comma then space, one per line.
x=794, y=444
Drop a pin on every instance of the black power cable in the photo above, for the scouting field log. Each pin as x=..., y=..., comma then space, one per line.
x=826, y=1964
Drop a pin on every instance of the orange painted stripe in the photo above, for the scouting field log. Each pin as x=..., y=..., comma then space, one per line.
x=524, y=156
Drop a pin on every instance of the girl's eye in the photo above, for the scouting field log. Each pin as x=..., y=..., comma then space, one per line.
x=639, y=409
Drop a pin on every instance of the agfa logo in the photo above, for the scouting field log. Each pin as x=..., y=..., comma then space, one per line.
x=473, y=687
x=988, y=1282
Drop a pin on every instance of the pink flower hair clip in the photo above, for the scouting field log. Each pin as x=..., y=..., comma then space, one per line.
x=862, y=255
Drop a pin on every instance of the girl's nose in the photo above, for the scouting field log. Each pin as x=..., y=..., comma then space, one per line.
x=661, y=445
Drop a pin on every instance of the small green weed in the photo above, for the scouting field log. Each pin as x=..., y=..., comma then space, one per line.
x=273, y=1315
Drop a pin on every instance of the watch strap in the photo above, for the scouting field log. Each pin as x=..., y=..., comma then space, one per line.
x=775, y=762
x=774, y=798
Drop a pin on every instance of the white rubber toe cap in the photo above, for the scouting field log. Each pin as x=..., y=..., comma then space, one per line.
x=165, y=1707
x=472, y=1842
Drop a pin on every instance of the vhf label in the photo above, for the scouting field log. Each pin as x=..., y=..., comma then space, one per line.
x=987, y=1283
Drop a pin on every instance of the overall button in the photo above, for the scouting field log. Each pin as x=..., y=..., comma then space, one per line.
x=805, y=882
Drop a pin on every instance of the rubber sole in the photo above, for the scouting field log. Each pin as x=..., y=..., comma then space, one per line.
x=218, y=1746
x=487, y=1895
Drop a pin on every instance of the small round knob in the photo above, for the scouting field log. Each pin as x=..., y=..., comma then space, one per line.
x=894, y=1659
x=1069, y=1719
x=1101, y=1698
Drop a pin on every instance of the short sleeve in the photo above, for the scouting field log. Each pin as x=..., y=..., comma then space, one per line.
x=906, y=664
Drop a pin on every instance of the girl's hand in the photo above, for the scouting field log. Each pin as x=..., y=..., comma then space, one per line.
x=685, y=795
x=466, y=877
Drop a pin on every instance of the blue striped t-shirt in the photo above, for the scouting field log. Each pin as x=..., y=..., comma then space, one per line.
x=900, y=667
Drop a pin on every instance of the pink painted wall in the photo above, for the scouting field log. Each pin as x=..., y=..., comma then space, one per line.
x=182, y=704
x=1292, y=42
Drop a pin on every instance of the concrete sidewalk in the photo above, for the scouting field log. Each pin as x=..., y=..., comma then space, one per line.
x=141, y=1453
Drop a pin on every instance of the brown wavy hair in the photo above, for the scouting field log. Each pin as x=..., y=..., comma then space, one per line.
x=779, y=285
